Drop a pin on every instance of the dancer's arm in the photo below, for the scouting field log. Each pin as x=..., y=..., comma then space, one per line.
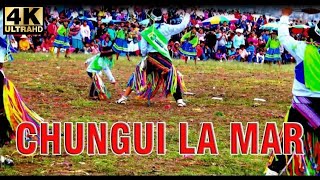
x=294, y=47
x=175, y=29
x=143, y=47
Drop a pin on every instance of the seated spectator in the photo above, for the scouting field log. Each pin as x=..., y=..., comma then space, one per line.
x=243, y=53
x=251, y=52
x=14, y=43
x=288, y=58
x=94, y=48
x=220, y=56
x=87, y=49
x=237, y=55
x=260, y=56
x=30, y=38
x=46, y=45
x=231, y=54
x=24, y=44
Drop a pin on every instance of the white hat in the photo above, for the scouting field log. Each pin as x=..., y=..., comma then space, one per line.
x=197, y=26
x=23, y=37
x=239, y=31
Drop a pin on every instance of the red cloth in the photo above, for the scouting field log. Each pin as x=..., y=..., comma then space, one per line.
x=52, y=29
x=199, y=51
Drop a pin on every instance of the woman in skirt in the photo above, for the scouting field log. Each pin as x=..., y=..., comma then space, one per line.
x=273, y=54
x=121, y=44
x=76, y=36
x=189, y=42
x=305, y=108
x=62, y=39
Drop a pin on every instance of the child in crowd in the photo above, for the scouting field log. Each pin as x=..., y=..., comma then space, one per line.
x=260, y=56
x=94, y=48
x=231, y=53
x=87, y=49
x=199, y=52
x=251, y=52
x=243, y=53
x=175, y=50
x=220, y=56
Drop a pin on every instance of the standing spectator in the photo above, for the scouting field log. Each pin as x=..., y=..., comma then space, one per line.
x=222, y=40
x=253, y=38
x=201, y=35
x=265, y=36
x=52, y=28
x=101, y=30
x=224, y=27
x=210, y=41
x=85, y=32
x=54, y=13
x=76, y=37
x=74, y=14
x=111, y=31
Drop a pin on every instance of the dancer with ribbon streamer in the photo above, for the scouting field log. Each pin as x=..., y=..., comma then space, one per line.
x=155, y=69
x=13, y=110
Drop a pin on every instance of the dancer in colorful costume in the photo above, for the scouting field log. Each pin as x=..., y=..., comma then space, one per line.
x=155, y=69
x=273, y=53
x=62, y=39
x=189, y=42
x=121, y=44
x=97, y=64
x=13, y=110
x=305, y=108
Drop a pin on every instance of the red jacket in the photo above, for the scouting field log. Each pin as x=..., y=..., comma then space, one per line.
x=52, y=29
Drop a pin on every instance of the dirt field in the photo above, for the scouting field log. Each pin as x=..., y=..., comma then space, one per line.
x=58, y=91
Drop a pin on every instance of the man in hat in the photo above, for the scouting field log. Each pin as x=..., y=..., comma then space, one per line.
x=305, y=108
x=155, y=70
x=24, y=44
x=238, y=39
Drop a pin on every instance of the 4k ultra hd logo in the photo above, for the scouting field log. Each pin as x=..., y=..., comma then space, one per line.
x=26, y=20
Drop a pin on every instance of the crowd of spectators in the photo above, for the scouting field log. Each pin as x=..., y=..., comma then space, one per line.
x=90, y=28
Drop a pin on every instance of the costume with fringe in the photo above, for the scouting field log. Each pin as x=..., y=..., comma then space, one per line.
x=159, y=72
x=97, y=64
x=189, y=43
x=13, y=110
x=305, y=108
